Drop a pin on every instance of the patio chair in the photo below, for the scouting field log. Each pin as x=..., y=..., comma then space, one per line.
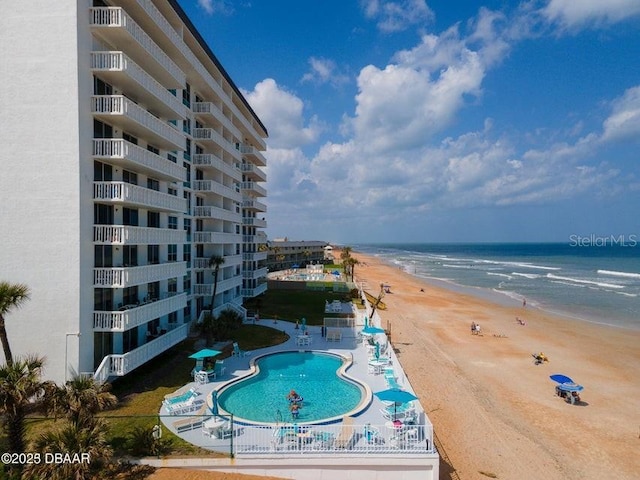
x=189, y=423
x=322, y=440
x=346, y=434
x=371, y=434
x=237, y=352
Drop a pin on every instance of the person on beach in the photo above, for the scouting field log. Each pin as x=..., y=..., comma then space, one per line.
x=524, y=302
x=473, y=328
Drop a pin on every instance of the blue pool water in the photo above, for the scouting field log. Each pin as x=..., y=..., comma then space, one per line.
x=262, y=398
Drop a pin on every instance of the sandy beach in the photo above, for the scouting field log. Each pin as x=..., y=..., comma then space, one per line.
x=494, y=411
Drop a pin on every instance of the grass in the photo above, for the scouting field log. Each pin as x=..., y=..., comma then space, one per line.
x=292, y=305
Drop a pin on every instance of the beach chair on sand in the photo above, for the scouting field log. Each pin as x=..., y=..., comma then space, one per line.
x=345, y=436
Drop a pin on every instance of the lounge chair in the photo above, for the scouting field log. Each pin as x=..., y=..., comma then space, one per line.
x=322, y=440
x=237, y=352
x=183, y=392
x=346, y=434
x=371, y=434
x=189, y=423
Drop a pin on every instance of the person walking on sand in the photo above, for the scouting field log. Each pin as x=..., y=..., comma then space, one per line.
x=524, y=302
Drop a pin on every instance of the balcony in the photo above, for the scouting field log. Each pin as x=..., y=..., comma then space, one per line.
x=122, y=112
x=217, y=237
x=206, y=289
x=135, y=195
x=120, y=277
x=254, y=188
x=254, y=205
x=229, y=261
x=254, y=172
x=118, y=69
x=254, y=256
x=255, y=222
x=212, y=114
x=213, y=161
x=254, y=154
x=128, y=235
x=213, y=138
x=259, y=273
x=118, y=365
x=128, y=155
x=118, y=29
x=216, y=213
x=211, y=186
x=119, y=321
x=254, y=292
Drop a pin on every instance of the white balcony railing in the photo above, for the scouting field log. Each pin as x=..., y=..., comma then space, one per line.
x=211, y=160
x=255, y=222
x=216, y=237
x=254, y=292
x=213, y=136
x=217, y=188
x=126, y=193
x=258, y=273
x=128, y=235
x=254, y=187
x=120, y=277
x=212, y=110
x=206, y=289
x=127, y=74
x=119, y=149
x=119, y=321
x=253, y=153
x=255, y=256
x=119, y=365
x=216, y=213
x=229, y=261
x=137, y=120
x=254, y=205
x=114, y=21
x=251, y=169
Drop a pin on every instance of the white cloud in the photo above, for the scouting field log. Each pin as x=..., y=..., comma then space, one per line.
x=624, y=121
x=323, y=71
x=397, y=16
x=216, y=6
x=577, y=13
x=282, y=114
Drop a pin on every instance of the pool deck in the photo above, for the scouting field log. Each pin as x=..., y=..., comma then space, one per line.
x=256, y=440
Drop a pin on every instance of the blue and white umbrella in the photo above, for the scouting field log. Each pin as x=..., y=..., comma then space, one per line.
x=372, y=330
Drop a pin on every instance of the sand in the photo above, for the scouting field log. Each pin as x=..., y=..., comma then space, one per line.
x=494, y=411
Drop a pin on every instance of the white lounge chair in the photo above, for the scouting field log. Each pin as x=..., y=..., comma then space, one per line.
x=347, y=432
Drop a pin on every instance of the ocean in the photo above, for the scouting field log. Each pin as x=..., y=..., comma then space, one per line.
x=587, y=281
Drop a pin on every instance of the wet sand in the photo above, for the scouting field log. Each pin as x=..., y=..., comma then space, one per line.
x=494, y=411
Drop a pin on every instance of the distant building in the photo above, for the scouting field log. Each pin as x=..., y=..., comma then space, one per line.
x=284, y=254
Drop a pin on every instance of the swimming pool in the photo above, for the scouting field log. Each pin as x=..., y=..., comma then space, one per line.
x=313, y=375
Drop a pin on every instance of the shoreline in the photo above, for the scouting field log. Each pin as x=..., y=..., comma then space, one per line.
x=493, y=410
x=505, y=298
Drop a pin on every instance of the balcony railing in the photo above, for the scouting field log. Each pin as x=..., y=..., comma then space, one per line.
x=254, y=188
x=211, y=160
x=216, y=213
x=254, y=205
x=258, y=273
x=206, y=289
x=128, y=235
x=229, y=261
x=217, y=188
x=216, y=237
x=119, y=69
x=254, y=292
x=137, y=120
x=254, y=154
x=117, y=149
x=255, y=222
x=118, y=365
x=126, y=193
x=255, y=256
x=124, y=33
x=253, y=170
x=120, y=277
x=121, y=320
x=212, y=136
x=213, y=111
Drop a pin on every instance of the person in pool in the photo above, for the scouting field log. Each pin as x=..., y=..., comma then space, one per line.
x=293, y=397
x=295, y=410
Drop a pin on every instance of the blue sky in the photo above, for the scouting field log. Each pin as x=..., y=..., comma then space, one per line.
x=440, y=121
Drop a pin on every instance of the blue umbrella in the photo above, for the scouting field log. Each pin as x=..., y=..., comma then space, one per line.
x=559, y=378
x=397, y=396
x=214, y=402
x=304, y=324
x=372, y=330
x=205, y=353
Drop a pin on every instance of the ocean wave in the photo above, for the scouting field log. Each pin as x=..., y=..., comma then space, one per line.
x=499, y=275
x=627, y=294
x=520, y=264
x=526, y=275
x=586, y=282
x=456, y=266
x=567, y=283
x=613, y=273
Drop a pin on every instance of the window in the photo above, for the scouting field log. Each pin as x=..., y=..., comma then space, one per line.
x=130, y=296
x=187, y=228
x=102, y=130
x=102, y=172
x=186, y=254
x=153, y=219
x=186, y=283
x=153, y=184
x=172, y=250
x=172, y=158
x=103, y=299
x=172, y=285
x=172, y=191
x=130, y=216
x=130, y=255
x=102, y=214
x=199, y=150
x=153, y=291
x=187, y=150
x=186, y=95
x=173, y=317
x=173, y=223
x=129, y=340
x=129, y=138
x=103, y=256
x=186, y=126
x=130, y=177
x=153, y=149
x=153, y=254
x=100, y=87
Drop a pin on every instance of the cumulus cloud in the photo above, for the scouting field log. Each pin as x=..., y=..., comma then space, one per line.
x=323, y=70
x=216, y=6
x=282, y=113
x=624, y=121
x=573, y=14
x=397, y=16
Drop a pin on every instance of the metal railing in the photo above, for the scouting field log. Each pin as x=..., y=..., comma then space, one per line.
x=134, y=194
x=126, y=234
x=134, y=315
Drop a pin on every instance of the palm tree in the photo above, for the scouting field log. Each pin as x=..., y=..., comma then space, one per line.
x=377, y=302
x=20, y=384
x=346, y=253
x=214, y=262
x=11, y=296
x=350, y=264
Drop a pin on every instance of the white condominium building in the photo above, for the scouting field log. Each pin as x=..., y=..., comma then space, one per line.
x=130, y=159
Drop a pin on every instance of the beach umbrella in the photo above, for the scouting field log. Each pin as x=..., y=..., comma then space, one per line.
x=372, y=330
x=214, y=402
x=366, y=322
x=377, y=352
x=559, y=378
x=304, y=324
x=397, y=396
x=205, y=353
